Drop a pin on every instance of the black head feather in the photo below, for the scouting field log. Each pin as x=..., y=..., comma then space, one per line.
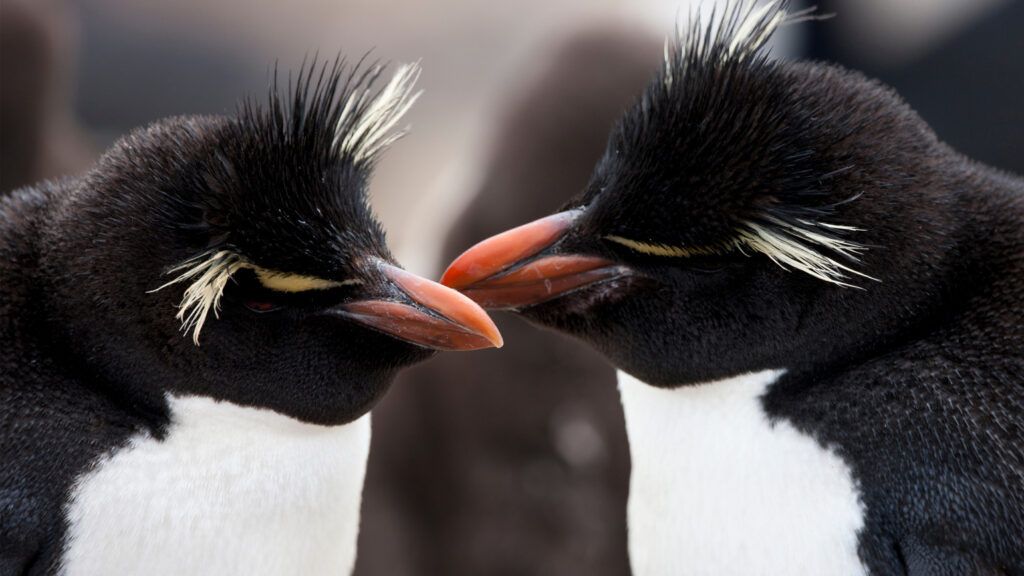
x=285, y=186
x=288, y=182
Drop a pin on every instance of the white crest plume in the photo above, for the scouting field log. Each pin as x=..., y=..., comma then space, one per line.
x=366, y=121
x=733, y=29
x=209, y=273
x=796, y=246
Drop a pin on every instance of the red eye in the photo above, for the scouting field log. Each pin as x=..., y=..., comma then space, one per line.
x=261, y=306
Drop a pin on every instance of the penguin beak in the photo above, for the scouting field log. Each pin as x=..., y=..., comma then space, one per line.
x=425, y=313
x=519, y=268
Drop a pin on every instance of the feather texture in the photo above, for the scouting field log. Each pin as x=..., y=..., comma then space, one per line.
x=703, y=85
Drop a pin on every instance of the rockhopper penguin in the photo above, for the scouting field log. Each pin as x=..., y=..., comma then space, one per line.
x=240, y=446
x=817, y=311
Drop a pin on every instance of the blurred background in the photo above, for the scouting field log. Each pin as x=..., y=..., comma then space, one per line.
x=497, y=463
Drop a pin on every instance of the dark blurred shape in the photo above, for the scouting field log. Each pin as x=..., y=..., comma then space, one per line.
x=38, y=138
x=515, y=461
x=131, y=74
x=969, y=87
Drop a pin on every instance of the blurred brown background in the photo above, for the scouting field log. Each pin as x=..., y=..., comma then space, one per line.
x=501, y=462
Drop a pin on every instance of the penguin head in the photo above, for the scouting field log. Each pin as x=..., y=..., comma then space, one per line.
x=238, y=258
x=747, y=214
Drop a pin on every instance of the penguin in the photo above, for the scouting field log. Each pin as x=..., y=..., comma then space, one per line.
x=815, y=308
x=194, y=332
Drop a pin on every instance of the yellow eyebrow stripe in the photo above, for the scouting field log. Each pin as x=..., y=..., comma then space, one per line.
x=662, y=249
x=287, y=282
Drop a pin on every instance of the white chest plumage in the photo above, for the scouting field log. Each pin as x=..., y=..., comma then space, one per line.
x=718, y=489
x=230, y=490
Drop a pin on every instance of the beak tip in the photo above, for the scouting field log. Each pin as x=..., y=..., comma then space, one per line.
x=489, y=331
x=498, y=341
x=457, y=312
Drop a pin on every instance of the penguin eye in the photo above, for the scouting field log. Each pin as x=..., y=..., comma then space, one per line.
x=261, y=306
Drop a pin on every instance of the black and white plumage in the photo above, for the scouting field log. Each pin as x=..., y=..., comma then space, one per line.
x=193, y=333
x=816, y=309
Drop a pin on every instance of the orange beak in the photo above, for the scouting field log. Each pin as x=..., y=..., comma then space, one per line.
x=428, y=314
x=505, y=272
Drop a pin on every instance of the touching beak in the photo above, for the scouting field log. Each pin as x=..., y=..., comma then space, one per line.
x=518, y=268
x=425, y=313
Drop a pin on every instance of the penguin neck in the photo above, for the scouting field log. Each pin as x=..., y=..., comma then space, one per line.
x=223, y=476
x=88, y=294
